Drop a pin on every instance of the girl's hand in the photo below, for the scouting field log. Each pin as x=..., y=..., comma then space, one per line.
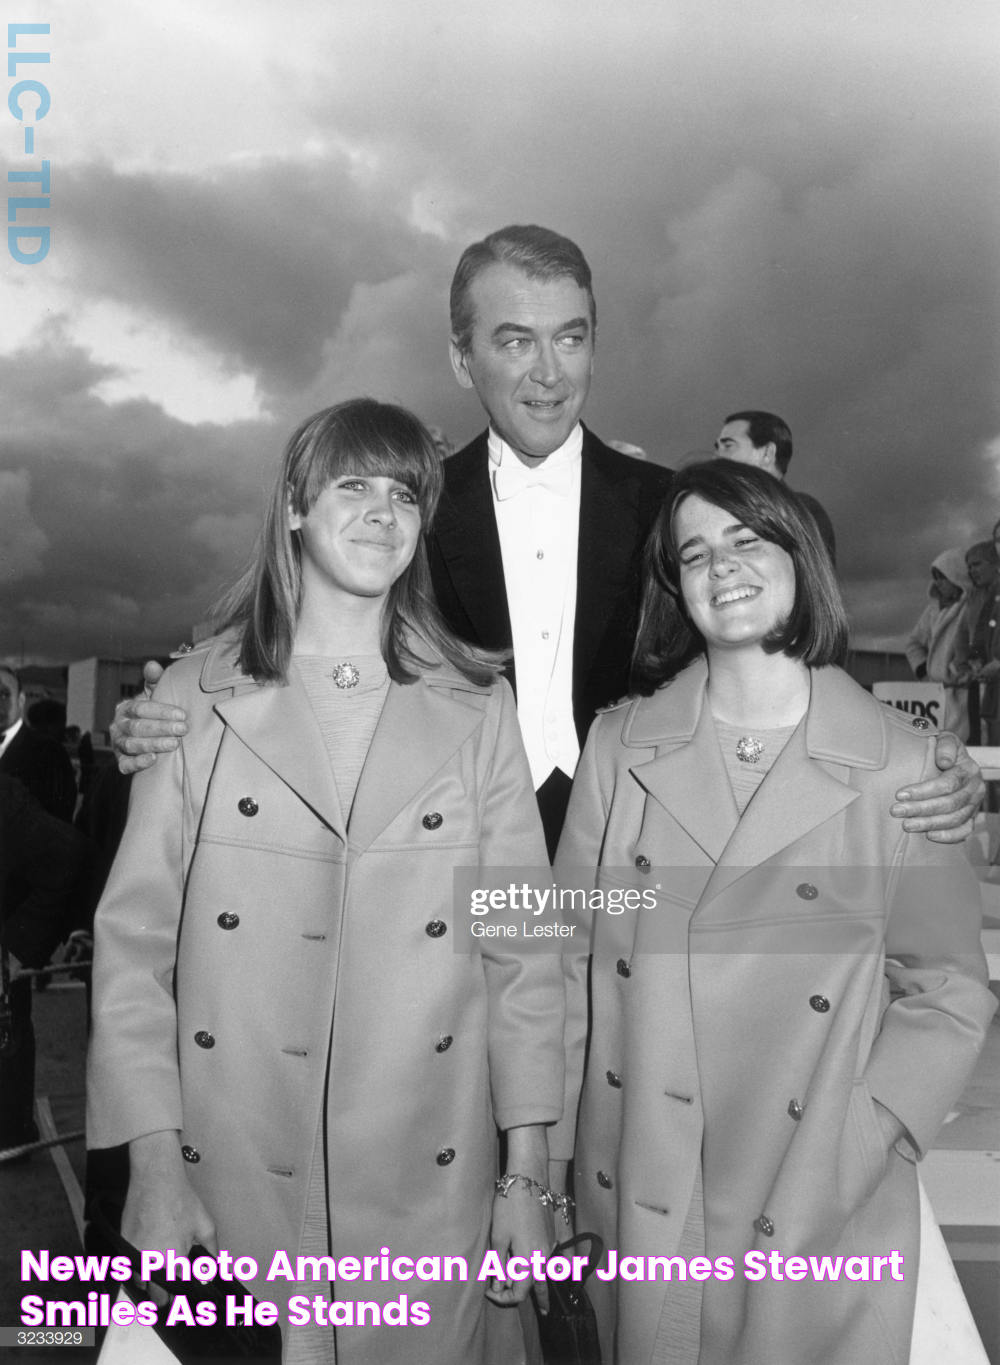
x=521, y=1226
x=162, y=1211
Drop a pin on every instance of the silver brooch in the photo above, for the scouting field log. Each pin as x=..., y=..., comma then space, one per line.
x=749, y=750
x=346, y=676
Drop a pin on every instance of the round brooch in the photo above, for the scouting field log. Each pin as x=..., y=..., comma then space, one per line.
x=346, y=676
x=748, y=749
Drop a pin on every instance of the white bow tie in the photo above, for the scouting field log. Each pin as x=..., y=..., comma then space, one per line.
x=511, y=479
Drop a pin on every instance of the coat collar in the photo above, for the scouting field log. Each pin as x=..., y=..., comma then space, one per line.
x=427, y=720
x=844, y=729
x=844, y=724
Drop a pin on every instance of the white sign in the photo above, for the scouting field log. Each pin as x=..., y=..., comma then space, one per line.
x=915, y=698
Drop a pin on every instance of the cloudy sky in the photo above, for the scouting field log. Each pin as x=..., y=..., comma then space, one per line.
x=256, y=210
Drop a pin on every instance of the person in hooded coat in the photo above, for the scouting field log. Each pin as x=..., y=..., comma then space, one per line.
x=930, y=649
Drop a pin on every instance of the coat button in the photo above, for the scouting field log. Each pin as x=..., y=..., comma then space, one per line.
x=446, y=1156
x=432, y=821
x=227, y=920
x=247, y=806
x=443, y=1043
x=604, y=1181
x=204, y=1039
x=622, y=968
x=436, y=928
x=807, y=891
x=191, y=1154
x=765, y=1225
x=819, y=1003
x=920, y=723
x=795, y=1110
x=643, y=864
x=614, y=1080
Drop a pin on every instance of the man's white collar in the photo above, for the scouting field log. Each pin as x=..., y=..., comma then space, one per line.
x=502, y=454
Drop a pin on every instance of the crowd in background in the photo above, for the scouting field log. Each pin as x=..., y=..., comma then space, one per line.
x=956, y=641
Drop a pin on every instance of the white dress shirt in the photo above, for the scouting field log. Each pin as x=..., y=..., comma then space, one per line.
x=538, y=519
x=5, y=741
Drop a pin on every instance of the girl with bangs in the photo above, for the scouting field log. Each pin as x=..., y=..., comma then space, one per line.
x=284, y=1030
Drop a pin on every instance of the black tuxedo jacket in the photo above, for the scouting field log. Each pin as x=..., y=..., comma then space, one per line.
x=619, y=498
x=43, y=767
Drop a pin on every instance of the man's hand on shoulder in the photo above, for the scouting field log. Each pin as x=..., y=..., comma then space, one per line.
x=143, y=728
x=943, y=807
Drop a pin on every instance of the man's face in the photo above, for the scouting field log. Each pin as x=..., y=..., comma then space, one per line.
x=734, y=443
x=531, y=357
x=982, y=569
x=10, y=700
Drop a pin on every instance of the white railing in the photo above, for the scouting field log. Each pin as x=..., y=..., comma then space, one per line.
x=988, y=758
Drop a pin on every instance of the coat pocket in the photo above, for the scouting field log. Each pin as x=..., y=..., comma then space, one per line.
x=864, y=1155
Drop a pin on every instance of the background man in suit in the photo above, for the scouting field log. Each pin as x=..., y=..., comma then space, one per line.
x=538, y=539
x=764, y=440
x=37, y=761
x=42, y=767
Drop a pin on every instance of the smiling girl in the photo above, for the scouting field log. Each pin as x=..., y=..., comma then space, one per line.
x=777, y=1043
x=284, y=1032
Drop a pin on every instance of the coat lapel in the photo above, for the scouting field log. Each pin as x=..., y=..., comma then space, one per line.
x=421, y=726
x=279, y=725
x=688, y=775
x=796, y=795
x=807, y=786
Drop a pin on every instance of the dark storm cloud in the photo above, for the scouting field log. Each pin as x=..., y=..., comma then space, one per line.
x=794, y=210
x=134, y=520
x=258, y=260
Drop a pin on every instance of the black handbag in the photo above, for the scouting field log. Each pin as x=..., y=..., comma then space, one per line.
x=190, y=1345
x=568, y=1331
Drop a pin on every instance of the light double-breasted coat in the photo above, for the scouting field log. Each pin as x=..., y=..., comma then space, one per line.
x=802, y=962
x=248, y=946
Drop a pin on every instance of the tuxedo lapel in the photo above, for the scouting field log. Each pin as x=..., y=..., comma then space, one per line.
x=279, y=725
x=609, y=520
x=421, y=726
x=466, y=532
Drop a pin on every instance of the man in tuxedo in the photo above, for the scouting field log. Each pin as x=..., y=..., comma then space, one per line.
x=764, y=439
x=538, y=539
x=43, y=768
x=537, y=543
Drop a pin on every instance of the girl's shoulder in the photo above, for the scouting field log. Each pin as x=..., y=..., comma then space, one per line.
x=199, y=673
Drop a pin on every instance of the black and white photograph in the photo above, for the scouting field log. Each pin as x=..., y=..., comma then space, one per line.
x=500, y=683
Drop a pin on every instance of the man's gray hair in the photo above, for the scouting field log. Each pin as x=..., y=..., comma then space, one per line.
x=539, y=252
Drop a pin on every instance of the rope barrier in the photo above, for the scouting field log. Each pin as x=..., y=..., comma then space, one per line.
x=12, y=1153
x=56, y=967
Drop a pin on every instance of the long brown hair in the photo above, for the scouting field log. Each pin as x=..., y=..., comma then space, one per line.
x=361, y=436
